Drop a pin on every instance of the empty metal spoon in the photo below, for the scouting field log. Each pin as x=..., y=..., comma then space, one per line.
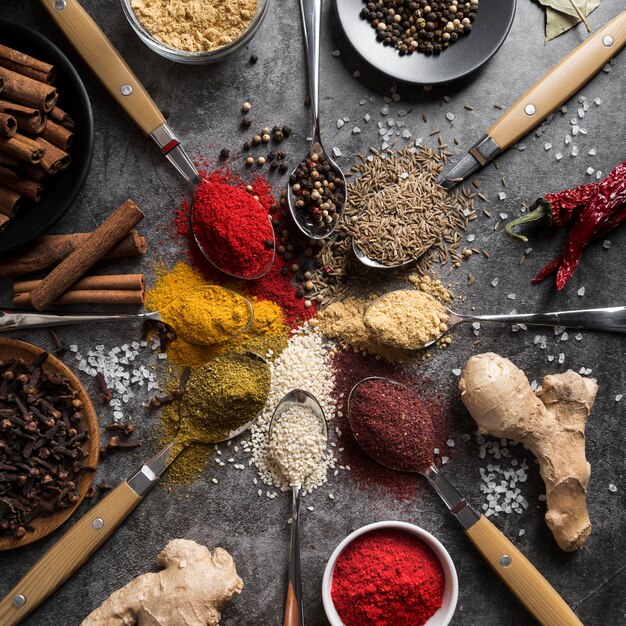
x=82, y=540
x=518, y=573
x=311, y=12
x=293, y=603
x=609, y=319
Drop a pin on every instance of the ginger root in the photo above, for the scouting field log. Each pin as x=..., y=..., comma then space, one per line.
x=192, y=590
x=550, y=422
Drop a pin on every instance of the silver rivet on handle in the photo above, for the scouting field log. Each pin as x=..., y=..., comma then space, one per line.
x=126, y=90
x=530, y=109
x=98, y=523
x=505, y=560
x=607, y=40
x=59, y=5
x=19, y=601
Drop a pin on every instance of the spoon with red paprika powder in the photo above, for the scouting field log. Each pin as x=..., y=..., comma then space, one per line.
x=392, y=425
x=232, y=230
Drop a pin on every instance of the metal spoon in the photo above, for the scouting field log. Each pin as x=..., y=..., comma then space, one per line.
x=609, y=319
x=12, y=320
x=517, y=572
x=311, y=12
x=293, y=604
x=82, y=540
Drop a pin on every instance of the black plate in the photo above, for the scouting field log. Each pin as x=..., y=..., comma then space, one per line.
x=489, y=30
x=33, y=220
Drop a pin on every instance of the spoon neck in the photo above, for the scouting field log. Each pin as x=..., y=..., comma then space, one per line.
x=458, y=506
x=311, y=11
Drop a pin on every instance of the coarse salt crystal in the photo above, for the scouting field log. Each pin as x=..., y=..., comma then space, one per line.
x=590, y=171
x=581, y=291
x=456, y=371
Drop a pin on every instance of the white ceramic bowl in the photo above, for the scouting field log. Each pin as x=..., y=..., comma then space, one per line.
x=451, y=590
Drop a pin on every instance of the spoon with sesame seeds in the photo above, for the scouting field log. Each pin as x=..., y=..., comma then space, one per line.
x=317, y=186
x=297, y=441
x=97, y=524
x=412, y=451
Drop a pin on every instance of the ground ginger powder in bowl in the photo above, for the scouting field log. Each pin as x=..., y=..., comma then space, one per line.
x=406, y=319
x=195, y=25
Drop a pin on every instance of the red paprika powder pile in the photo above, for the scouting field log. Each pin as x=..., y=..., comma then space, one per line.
x=232, y=228
x=387, y=577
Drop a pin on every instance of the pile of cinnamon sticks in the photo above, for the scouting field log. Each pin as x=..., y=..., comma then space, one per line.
x=35, y=134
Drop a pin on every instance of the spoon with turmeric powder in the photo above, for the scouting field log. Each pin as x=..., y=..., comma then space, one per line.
x=393, y=426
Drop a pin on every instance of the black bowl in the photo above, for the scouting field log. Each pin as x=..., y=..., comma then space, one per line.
x=33, y=220
x=490, y=29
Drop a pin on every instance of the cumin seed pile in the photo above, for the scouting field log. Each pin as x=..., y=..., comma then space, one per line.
x=409, y=172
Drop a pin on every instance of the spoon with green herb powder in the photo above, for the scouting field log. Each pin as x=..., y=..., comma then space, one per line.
x=297, y=442
x=222, y=400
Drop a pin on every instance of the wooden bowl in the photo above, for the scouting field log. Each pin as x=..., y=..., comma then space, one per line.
x=45, y=524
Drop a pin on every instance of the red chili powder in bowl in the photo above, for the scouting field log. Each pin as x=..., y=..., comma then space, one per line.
x=387, y=577
x=232, y=228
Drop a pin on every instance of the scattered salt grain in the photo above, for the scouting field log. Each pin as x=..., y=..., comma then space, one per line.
x=547, y=146
x=592, y=152
x=581, y=291
x=612, y=488
x=558, y=156
x=590, y=171
x=335, y=53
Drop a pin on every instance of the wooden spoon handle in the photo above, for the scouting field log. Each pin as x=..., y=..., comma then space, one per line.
x=68, y=554
x=521, y=576
x=560, y=83
x=102, y=57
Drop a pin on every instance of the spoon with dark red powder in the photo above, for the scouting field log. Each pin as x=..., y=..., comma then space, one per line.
x=392, y=425
x=232, y=230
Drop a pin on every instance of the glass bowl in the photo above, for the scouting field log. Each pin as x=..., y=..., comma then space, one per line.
x=195, y=58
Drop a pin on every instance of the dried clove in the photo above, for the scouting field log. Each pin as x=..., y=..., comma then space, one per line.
x=104, y=393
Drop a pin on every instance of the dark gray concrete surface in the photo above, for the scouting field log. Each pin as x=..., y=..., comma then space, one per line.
x=203, y=103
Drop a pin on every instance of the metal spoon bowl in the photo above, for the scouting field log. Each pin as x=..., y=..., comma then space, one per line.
x=311, y=13
x=293, y=604
x=609, y=319
x=516, y=571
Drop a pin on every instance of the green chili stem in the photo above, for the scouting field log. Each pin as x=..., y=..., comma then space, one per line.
x=542, y=212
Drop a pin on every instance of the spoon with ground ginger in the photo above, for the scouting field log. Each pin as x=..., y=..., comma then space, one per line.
x=413, y=320
x=297, y=438
x=317, y=187
x=222, y=399
x=391, y=424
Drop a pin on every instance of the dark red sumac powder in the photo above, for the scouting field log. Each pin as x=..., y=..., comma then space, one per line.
x=233, y=228
x=387, y=578
x=392, y=425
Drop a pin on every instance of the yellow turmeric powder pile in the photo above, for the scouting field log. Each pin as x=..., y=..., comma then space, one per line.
x=267, y=333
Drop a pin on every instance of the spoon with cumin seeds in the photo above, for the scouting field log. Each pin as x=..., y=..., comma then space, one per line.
x=372, y=403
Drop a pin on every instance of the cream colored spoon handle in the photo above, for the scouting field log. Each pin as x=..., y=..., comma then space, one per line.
x=68, y=554
x=107, y=63
x=560, y=83
x=521, y=577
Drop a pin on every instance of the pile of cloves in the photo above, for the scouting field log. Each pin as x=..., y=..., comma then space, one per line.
x=42, y=435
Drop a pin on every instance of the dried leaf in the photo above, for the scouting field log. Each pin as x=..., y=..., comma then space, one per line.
x=561, y=15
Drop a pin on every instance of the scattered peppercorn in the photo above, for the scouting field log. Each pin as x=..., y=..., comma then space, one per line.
x=224, y=153
x=253, y=58
x=245, y=122
x=245, y=107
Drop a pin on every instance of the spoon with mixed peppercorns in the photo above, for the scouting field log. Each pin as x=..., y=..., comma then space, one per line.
x=317, y=187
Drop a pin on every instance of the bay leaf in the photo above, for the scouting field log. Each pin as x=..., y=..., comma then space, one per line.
x=561, y=15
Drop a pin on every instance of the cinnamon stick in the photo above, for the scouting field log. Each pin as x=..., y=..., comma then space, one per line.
x=23, y=186
x=9, y=202
x=81, y=260
x=29, y=120
x=22, y=148
x=4, y=220
x=50, y=250
x=104, y=296
x=61, y=117
x=54, y=159
x=8, y=125
x=57, y=135
x=115, y=282
x=34, y=172
x=26, y=65
x=6, y=160
x=28, y=91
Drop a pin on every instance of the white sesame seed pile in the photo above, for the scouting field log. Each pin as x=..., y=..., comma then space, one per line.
x=297, y=444
x=304, y=364
x=121, y=371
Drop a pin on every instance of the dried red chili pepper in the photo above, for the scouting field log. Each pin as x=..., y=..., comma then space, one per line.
x=556, y=209
x=605, y=211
